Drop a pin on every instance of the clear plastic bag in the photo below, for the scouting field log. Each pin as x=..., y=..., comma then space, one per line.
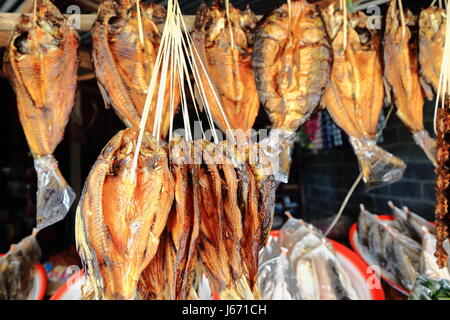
x=378, y=166
x=54, y=195
x=278, y=148
x=428, y=144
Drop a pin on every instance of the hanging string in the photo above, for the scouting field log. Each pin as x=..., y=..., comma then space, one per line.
x=289, y=2
x=141, y=29
x=402, y=18
x=357, y=181
x=230, y=26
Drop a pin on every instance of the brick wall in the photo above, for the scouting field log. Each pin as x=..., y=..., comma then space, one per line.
x=328, y=175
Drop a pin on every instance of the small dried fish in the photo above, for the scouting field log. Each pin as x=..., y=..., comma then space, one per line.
x=123, y=66
x=119, y=222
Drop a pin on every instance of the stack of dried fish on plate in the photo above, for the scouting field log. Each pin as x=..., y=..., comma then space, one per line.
x=401, y=70
x=301, y=264
x=124, y=62
x=224, y=41
x=354, y=96
x=17, y=269
x=41, y=63
x=292, y=61
x=402, y=248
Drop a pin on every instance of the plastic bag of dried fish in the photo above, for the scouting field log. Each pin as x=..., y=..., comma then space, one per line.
x=42, y=56
x=354, y=96
x=292, y=61
x=17, y=269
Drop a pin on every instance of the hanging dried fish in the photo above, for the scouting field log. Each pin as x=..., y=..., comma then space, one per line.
x=119, y=221
x=432, y=23
x=225, y=45
x=401, y=66
x=123, y=65
x=292, y=62
x=41, y=62
x=354, y=96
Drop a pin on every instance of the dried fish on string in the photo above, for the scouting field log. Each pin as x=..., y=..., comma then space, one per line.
x=224, y=41
x=401, y=71
x=292, y=61
x=42, y=56
x=124, y=65
x=432, y=22
x=119, y=221
x=354, y=96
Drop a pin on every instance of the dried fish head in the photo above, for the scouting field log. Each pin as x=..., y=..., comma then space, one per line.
x=119, y=221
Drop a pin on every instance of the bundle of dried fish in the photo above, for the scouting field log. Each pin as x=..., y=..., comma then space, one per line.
x=17, y=269
x=224, y=43
x=354, y=96
x=292, y=62
x=432, y=22
x=391, y=250
x=119, y=220
x=41, y=62
x=318, y=273
x=124, y=65
x=401, y=66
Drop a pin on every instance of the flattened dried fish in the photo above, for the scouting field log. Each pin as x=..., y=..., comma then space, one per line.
x=41, y=62
x=225, y=47
x=124, y=67
x=401, y=70
x=432, y=22
x=119, y=222
x=354, y=96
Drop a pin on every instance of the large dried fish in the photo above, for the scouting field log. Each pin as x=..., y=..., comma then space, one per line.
x=354, y=96
x=431, y=47
x=225, y=45
x=124, y=66
x=41, y=62
x=292, y=62
x=119, y=222
x=401, y=70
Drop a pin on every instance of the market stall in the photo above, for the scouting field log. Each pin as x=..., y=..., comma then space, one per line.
x=232, y=150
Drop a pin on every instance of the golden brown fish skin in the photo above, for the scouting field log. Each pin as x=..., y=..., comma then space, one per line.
x=401, y=66
x=183, y=224
x=291, y=69
x=120, y=221
x=354, y=96
x=229, y=69
x=123, y=67
x=41, y=63
x=432, y=22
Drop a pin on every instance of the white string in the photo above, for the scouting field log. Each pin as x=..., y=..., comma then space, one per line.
x=402, y=18
x=141, y=29
x=227, y=10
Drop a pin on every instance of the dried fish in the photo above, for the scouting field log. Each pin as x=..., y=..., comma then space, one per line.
x=119, y=221
x=401, y=71
x=17, y=269
x=292, y=62
x=354, y=96
x=432, y=21
x=41, y=56
x=124, y=66
x=225, y=45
